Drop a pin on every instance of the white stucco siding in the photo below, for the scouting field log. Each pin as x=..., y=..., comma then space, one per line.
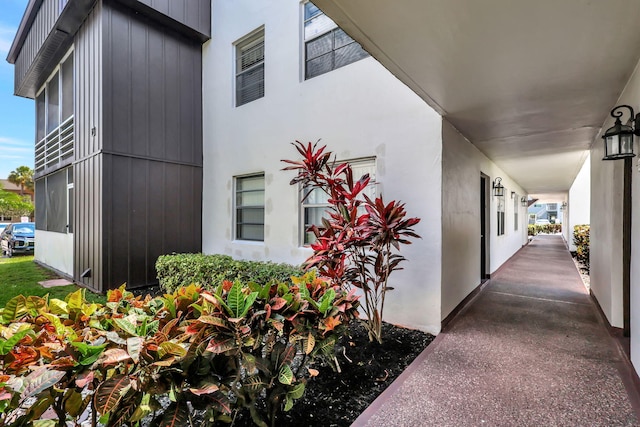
x=359, y=110
x=606, y=228
x=579, y=204
x=55, y=250
x=463, y=165
x=606, y=234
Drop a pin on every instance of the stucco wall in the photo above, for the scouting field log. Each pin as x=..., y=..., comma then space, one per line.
x=55, y=250
x=605, y=213
x=359, y=110
x=462, y=167
x=579, y=208
x=606, y=233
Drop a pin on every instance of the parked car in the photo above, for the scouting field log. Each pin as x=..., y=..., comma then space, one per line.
x=542, y=222
x=18, y=237
x=3, y=225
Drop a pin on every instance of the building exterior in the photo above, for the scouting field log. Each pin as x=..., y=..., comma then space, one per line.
x=118, y=163
x=279, y=71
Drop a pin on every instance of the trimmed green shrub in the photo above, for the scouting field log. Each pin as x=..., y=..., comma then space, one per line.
x=209, y=271
x=241, y=347
x=581, y=240
x=535, y=229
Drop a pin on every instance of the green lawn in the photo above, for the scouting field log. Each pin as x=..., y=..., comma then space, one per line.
x=20, y=275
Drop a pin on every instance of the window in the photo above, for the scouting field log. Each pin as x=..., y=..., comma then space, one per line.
x=54, y=202
x=249, y=210
x=516, y=200
x=250, y=68
x=54, y=118
x=500, y=215
x=314, y=206
x=327, y=47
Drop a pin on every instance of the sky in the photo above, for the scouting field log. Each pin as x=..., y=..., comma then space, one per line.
x=17, y=115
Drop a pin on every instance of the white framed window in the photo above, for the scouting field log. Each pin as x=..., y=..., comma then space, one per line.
x=314, y=206
x=249, y=207
x=250, y=68
x=326, y=45
x=55, y=117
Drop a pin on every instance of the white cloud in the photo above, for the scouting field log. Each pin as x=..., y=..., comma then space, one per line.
x=6, y=38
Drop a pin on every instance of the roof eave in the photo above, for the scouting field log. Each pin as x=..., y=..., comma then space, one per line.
x=25, y=24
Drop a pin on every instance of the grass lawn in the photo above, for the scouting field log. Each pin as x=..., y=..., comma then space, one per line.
x=20, y=275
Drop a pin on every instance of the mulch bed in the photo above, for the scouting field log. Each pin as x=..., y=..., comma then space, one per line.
x=336, y=399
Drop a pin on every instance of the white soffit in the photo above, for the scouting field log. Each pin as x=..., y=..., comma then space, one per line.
x=530, y=83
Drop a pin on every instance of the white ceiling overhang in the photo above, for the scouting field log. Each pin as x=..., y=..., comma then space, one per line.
x=530, y=83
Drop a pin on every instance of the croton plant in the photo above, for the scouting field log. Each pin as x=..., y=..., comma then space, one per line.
x=243, y=347
x=358, y=241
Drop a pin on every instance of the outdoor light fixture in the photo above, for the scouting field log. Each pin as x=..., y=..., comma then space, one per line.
x=513, y=194
x=524, y=202
x=564, y=205
x=618, y=139
x=498, y=188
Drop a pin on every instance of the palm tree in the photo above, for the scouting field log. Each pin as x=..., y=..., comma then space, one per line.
x=23, y=177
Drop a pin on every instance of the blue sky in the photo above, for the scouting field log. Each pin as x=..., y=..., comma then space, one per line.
x=16, y=114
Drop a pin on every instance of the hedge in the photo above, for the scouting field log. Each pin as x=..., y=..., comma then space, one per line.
x=581, y=240
x=209, y=271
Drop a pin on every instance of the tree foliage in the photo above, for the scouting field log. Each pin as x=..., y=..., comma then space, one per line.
x=12, y=204
x=22, y=176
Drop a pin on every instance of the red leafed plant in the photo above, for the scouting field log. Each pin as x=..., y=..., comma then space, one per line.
x=357, y=243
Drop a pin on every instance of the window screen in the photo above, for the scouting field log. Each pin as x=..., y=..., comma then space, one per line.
x=40, y=116
x=53, y=100
x=54, y=202
x=250, y=69
x=67, y=88
x=41, y=202
x=250, y=207
x=327, y=46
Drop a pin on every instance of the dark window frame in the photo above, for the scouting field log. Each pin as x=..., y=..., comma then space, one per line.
x=311, y=13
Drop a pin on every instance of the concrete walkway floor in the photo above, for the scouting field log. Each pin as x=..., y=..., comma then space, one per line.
x=530, y=350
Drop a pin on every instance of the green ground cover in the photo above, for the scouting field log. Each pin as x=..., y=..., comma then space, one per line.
x=20, y=276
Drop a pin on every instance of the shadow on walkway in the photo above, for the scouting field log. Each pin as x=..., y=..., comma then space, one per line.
x=531, y=350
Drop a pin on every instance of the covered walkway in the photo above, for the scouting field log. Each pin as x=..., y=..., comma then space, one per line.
x=531, y=350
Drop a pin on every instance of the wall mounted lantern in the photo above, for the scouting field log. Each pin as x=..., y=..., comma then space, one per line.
x=618, y=139
x=513, y=194
x=564, y=206
x=524, y=202
x=498, y=188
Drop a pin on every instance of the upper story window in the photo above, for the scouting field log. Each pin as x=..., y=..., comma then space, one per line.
x=250, y=68
x=54, y=117
x=249, y=207
x=326, y=46
x=314, y=206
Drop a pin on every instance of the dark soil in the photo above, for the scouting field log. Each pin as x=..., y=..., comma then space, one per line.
x=336, y=399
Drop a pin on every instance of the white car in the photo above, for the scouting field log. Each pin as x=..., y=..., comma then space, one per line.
x=542, y=222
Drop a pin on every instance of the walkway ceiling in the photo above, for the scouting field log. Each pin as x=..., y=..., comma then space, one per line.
x=530, y=83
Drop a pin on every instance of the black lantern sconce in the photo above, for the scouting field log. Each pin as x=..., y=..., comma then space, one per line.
x=618, y=139
x=498, y=188
x=513, y=194
x=524, y=202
